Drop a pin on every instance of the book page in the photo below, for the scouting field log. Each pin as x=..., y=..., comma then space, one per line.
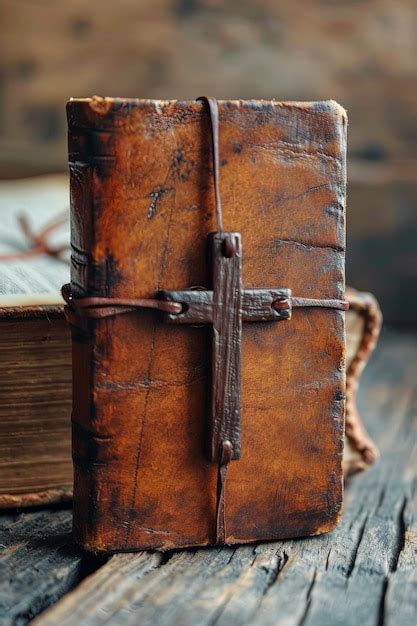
x=33, y=279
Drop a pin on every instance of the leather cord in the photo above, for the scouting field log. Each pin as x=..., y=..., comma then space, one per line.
x=98, y=308
x=225, y=458
x=214, y=127
x=227, y=449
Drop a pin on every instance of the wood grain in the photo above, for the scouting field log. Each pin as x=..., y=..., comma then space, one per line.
x=38, y=563
x=363, y=572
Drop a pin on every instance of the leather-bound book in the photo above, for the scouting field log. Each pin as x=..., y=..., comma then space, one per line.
x=35, y=350
x=207, y=311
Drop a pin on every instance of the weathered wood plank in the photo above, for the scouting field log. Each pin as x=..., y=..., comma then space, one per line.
x=400, y=605
x=363, y=572
x=38, y=563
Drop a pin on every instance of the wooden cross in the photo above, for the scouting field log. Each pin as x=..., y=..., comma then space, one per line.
x=224, y=307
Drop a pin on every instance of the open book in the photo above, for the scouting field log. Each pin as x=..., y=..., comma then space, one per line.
x=35, y=378
x=33, y=280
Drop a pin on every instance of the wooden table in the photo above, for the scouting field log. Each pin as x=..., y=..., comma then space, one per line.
x=365, y=572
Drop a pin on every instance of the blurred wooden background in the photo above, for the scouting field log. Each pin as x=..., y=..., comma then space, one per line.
x=360, y=52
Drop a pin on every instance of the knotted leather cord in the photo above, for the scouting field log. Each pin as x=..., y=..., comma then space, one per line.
x=98, y=307
x=225, y=458
x=366, y=306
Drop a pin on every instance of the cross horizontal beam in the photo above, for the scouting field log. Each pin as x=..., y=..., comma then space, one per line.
x=258, y=305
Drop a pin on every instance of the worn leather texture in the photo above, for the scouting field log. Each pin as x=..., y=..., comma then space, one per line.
x=142, y=207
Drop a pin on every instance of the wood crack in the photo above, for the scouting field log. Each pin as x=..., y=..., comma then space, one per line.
x=355, y=551
x=112, y=387
x=381, y=611
x=308, y=600
x=288, y=149
x=275, y=572
x=310, y=246
x=400, y=538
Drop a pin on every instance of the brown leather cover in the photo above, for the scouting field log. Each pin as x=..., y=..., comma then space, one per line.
x=142, y=208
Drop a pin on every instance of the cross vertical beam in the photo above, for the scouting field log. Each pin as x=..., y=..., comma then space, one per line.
x=226, y=255
x=224, y=307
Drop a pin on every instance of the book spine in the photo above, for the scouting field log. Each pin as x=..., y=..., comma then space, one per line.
x=88, y=157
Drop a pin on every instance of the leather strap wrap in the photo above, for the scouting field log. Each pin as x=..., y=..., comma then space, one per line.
x=99, y=307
